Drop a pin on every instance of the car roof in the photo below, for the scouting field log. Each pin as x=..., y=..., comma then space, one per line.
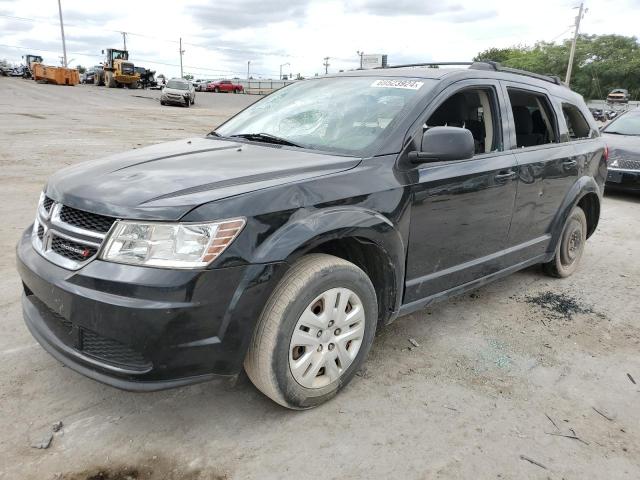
x=455, y=74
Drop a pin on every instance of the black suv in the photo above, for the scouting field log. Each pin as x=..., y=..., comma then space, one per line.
x=282, y=240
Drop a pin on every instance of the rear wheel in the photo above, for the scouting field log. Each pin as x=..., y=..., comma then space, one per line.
x=216, y=90
x=314, y=333
x=570, y=246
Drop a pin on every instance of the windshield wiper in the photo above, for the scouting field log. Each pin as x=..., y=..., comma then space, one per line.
x=267, y=138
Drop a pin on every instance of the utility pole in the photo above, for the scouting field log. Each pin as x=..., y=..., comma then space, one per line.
x=572, y=54
x=361, y=54
x=326, y=65
x=64, y=45
x=124, y=39
x=181, y=53
x=248, y=65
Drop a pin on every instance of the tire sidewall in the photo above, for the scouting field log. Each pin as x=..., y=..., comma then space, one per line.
x=296, y=395
x=576, y=215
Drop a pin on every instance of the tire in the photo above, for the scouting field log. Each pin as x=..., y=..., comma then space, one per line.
x=273, y=350
x=570, y=246
x=187, y=103
x=162, y=102
x=193, y=101
x=109, y=81
x=216, y=90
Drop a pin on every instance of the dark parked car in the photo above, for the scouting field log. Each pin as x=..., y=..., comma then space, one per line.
x=282, y=240
x=623, y=139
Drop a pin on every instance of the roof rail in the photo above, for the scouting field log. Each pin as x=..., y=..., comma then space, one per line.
x=495, y=66
x=429, y=64
x=485, y=65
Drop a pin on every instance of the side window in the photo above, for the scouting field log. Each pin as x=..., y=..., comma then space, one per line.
x=576, y=123
x=533, y=117
x=473, y=109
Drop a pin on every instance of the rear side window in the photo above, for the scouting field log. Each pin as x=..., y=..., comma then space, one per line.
x=576, y=123
x=533, y=117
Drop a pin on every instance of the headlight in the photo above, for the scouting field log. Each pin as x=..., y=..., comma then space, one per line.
x=173, y=245
x=614, y=163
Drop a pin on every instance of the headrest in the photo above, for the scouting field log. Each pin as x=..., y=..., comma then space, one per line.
x=454, y=109
x=522, y=119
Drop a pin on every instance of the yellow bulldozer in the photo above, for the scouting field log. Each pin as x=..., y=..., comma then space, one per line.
x=117, y=70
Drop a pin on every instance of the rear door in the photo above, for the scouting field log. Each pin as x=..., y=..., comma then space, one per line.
x=548, y=166
x=461, y=211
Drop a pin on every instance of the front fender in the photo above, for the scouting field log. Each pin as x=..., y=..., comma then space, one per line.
x=309, y=228
x=582, y=187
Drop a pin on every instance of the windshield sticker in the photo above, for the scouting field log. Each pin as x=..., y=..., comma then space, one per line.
x=407, y=84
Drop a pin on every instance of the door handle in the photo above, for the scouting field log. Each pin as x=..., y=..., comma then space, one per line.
x=570, y=163
x=503, y=177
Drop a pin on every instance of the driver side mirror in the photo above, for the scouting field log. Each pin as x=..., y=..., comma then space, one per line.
x=444, y=144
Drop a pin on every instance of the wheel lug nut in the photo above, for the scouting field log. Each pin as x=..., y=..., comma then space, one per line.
x=319, y=334
x=320, y=348
x=331, y=346
x=331, y=323
x=337, y=332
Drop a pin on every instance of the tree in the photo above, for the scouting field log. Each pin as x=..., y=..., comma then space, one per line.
x=188, y=76
x=602, y=62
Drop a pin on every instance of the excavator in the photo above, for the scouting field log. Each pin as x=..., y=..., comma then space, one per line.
x=117, y=70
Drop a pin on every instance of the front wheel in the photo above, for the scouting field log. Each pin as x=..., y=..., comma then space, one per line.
x=314, y=333
x=570, y=246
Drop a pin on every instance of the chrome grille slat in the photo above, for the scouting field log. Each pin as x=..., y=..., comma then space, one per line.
x=66, y=236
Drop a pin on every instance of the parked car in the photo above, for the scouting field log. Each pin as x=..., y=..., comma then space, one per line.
x=623, y=139
x=201, y=85
x=618, y=95
x=598, y=114
x=160, y=82
x=284, y=239
x=224, y=86
x=89, y=74
x=178, y=91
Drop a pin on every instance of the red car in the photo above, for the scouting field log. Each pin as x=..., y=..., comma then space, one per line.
x=224, y=86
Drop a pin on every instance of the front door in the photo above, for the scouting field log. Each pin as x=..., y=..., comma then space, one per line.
x=462, y=210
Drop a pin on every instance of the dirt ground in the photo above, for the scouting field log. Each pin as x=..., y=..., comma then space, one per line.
x=528, y=377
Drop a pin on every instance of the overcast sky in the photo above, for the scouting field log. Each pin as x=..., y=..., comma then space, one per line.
x=221, y=36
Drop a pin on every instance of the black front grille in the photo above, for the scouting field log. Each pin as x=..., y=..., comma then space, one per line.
x=40, y=232
x=46, y=204
x=111, y=351
x=72, y=250
x=86, y=220
x=628, y=164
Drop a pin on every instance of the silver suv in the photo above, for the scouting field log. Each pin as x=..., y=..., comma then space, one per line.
x=178, y=91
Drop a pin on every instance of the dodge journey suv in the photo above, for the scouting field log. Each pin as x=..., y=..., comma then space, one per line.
x=282, y=240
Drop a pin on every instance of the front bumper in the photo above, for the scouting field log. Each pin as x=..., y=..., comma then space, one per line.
x=622, y=179
x=141, y=328
x=175, y=100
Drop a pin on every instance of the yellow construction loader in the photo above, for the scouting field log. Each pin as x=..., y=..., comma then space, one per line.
x=117, y=70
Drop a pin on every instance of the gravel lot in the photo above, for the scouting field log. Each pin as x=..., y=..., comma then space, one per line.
x=528, y=377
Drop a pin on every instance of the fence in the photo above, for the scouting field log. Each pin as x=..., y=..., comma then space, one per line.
x=262, y=87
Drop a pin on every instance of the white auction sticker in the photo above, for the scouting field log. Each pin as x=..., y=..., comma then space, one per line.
x=391, y=83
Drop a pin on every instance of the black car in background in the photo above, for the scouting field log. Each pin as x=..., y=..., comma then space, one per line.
x=622, y=136
x=281, y=241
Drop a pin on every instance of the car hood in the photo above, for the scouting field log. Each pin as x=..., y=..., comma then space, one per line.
x=625, y=149
x=622, y=142
x=167, y=180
